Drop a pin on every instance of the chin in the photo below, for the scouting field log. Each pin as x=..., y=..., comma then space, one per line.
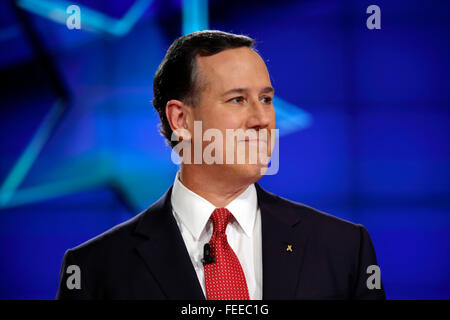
x=249, y=173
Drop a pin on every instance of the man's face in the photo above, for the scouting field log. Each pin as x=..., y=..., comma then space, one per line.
x=237, y=94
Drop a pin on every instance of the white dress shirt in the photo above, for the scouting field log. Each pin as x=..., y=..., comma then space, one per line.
x=192, y=213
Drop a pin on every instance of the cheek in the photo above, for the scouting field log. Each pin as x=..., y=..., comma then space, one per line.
x=223, y=120
x=272, y=124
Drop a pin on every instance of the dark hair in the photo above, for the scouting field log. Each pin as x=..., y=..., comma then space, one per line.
x=176, y=77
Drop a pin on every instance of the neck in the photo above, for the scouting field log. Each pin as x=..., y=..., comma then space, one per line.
x=212, y=185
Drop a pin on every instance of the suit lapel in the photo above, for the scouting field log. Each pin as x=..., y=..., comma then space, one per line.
x=281, y=227
x=165, y=253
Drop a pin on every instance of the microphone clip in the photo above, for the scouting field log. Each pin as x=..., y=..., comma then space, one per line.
x=207, y=258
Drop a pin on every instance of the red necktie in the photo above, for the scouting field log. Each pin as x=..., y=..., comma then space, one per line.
x=224, y=278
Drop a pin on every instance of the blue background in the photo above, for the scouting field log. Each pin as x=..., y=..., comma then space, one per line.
x=364, y=117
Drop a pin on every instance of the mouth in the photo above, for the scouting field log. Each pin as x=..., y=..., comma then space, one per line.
x=254, y=141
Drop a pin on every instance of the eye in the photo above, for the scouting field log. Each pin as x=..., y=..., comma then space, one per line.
x=239, y=99
x=267, y=100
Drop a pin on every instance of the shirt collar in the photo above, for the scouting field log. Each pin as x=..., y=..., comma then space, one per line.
x=195, y=211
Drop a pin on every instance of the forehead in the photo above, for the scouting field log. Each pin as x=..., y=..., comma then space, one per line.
x=239, y=67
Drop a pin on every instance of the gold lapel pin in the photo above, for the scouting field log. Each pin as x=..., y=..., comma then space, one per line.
x=289, y=247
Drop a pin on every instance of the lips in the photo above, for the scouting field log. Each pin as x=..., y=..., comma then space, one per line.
x=253, y=141
x=248, y=139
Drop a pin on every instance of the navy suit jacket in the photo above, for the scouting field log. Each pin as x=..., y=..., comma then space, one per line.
x=146, y=258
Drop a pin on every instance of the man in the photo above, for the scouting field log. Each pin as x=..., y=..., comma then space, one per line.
x=216, y=234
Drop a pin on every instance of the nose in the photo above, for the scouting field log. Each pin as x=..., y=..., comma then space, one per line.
x=260, y=115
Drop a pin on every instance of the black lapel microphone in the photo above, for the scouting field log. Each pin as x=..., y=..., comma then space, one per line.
x=207, y=259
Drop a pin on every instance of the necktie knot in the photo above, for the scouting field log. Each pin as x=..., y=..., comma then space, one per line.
x=220, y=218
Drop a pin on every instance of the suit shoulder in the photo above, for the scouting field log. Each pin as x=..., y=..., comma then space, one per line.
x=317, y=217
x=122, y=237
x=115, y=237
x=335, y=234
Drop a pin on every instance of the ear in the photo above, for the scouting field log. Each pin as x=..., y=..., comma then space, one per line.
x=177, y=114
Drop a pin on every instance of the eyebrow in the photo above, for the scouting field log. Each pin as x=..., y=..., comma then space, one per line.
x=242, y=90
